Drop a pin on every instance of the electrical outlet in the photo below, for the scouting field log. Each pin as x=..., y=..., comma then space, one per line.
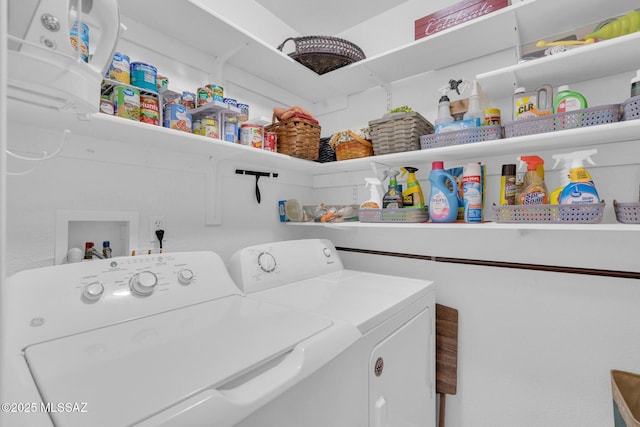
x=156, y=222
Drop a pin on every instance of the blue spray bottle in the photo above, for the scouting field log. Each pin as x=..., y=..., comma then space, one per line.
x=443, y=198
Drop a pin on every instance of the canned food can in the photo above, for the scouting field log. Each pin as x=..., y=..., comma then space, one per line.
x=162, y=83
x=217, y=93
x=230, y=131
x=119, y=68
x=149, y=110
x=196, y=127
x=176, y=117
x=188, y=99
x=106, y=107
x=270, y=139
x=204, y=96
x=82, y=42
x=210, y=127
x=492, y=116
x=144, y=76
x=251, y=135
x=230, y=101
x=126, y=102
x=244, y=112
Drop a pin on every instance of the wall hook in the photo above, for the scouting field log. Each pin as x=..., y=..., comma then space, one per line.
x=257, y=175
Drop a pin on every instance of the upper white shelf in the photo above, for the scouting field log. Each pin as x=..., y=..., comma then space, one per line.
x=585, y=63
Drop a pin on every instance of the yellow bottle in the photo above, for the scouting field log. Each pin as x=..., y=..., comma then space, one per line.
x=412, y=196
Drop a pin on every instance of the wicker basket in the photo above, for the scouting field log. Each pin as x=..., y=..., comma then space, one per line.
x=297, y=137
x=323, y=53
x=350, y=145
x=398, y=132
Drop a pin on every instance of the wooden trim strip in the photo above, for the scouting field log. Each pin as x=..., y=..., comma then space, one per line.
x=501, y=264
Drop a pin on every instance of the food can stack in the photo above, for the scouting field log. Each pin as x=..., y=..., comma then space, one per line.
x=398, y=132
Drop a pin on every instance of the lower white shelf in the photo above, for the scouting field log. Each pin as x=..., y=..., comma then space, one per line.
x=464, y=226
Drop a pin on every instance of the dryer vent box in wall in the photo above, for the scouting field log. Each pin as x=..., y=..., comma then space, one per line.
x=75, y=228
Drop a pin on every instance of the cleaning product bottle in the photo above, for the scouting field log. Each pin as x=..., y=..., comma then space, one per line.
x=635, y=84
x=106, y=249
x=524, y=104
x=472, y=189
x=375, y=197
x=412, y=197
x=581, y=189
x=444, y=112
x=554, y=197
x=443, y=198
x=544, y=100
x=567, y=100
x=508, y=185
x=392, y=198
x=535, y=190
x=474, y=111
x=527, y=105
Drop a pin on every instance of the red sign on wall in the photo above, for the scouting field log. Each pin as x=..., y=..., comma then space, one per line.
x=461, y=12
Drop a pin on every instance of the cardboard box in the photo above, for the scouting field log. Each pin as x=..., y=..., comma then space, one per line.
x=461, y=12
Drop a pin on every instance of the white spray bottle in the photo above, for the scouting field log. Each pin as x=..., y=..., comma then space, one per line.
x=375, y=198
x=554, y=198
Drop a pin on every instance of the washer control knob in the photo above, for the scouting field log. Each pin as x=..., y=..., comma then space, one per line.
x=143, y=283
x=93, y=291
x=185, y=276
x=267, y=262
x=327, y=252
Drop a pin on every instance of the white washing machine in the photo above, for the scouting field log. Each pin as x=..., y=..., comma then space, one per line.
x=157, y=340
x=386, y=378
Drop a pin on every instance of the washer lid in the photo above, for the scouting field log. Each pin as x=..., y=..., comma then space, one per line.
x=130, y=371
x=363, y=299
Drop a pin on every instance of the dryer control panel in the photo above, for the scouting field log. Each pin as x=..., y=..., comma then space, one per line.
x=261, y=267
x=71, y=298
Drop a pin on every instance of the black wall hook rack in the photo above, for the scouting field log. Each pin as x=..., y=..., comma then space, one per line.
x=257, y=175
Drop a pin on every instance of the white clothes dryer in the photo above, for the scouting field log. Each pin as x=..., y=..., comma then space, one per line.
x=386, y=378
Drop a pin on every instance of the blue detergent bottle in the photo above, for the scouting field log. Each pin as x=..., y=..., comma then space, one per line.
x=443, y=198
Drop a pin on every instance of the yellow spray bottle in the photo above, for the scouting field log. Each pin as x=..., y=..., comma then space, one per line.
x=412, y=196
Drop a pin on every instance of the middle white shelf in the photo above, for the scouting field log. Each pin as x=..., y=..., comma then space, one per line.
x=115, y=128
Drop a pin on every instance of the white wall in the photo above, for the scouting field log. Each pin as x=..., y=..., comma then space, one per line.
x=535, y=347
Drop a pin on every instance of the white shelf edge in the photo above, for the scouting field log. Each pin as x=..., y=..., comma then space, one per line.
x=617, y=227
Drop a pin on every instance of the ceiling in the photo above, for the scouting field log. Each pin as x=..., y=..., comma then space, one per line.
x=326, y=17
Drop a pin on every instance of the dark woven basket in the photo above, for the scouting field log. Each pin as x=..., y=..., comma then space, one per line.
x=324, y=53
x=327, y=154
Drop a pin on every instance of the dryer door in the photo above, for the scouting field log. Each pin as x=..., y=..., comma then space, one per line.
x=402, y=376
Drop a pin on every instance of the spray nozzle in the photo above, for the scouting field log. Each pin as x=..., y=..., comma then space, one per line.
x=391, y=174
x=532, y=162
x=408, y=169
x=458, y=86
x=576, y=158
x=371, y=182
